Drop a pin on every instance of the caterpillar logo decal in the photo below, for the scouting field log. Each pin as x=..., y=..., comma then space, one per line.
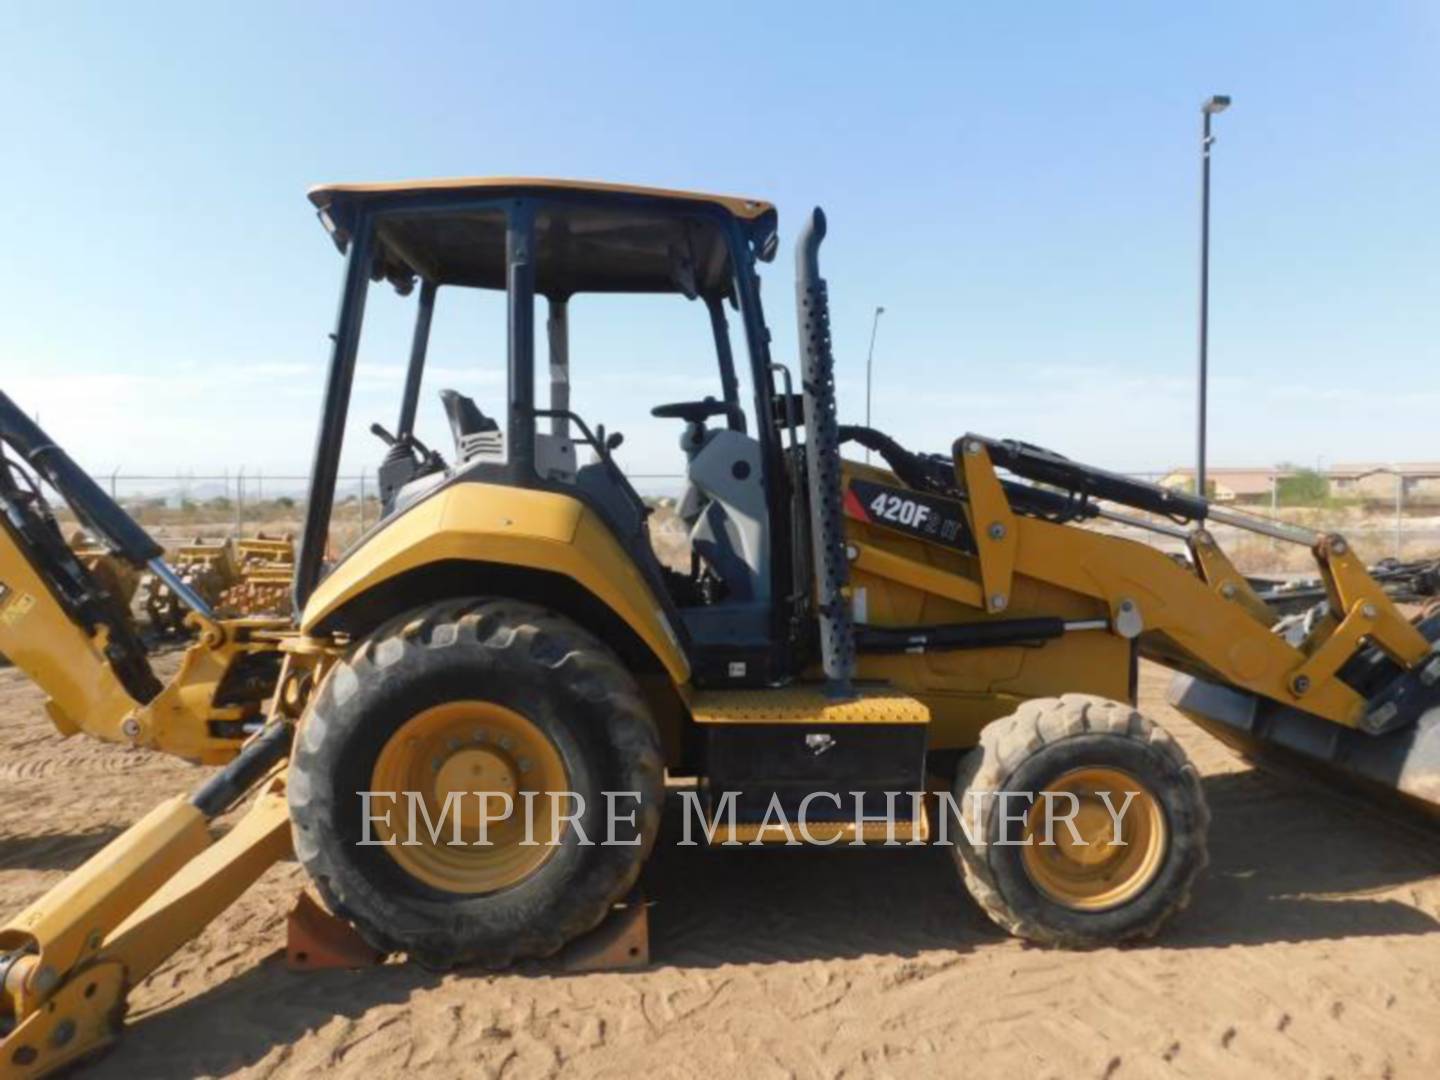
x=941, y=521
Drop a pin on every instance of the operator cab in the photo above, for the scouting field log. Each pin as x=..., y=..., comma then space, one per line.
x=556, y=243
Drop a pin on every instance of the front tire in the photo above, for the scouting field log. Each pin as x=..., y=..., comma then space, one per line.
x=1094, y=892
x=475, y=695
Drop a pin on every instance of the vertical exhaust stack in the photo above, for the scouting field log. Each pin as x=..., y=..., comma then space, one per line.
x=822, y=461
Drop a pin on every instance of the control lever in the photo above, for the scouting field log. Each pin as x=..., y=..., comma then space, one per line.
x=407, y=443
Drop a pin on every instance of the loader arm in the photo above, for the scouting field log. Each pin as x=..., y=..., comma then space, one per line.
x=1200, y=617
x=1197, y=617
x=1356, y=692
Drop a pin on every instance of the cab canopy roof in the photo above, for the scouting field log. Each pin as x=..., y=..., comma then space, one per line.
x=589, y=237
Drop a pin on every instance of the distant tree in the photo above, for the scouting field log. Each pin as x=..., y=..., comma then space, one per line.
x=285, y=502
x=1301, y=487
x=219, y=502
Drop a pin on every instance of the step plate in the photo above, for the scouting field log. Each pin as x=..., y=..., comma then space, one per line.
x=807, y=705
x=723, y=833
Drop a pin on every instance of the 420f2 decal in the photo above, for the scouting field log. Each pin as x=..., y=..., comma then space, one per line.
x=941, y=521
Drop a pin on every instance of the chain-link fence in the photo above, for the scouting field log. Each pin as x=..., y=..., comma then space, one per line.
x=1386, y=513
x=182, y=505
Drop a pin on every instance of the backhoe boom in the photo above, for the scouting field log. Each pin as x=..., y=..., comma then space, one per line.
x=60, y=625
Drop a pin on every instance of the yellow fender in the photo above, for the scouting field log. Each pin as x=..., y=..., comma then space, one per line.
x=538, y=530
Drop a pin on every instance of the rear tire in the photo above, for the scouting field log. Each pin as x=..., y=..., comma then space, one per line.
x=1084, y=902
x=514, y=659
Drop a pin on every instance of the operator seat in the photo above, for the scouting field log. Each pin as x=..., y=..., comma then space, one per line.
x=476, y=435
x=725, y=509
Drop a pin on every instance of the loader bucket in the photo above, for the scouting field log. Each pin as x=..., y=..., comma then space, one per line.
x=1404, y=763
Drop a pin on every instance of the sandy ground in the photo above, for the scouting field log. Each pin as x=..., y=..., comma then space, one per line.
x=1312, y=949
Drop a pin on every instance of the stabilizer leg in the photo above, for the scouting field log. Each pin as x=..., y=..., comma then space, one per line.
x=67, y=962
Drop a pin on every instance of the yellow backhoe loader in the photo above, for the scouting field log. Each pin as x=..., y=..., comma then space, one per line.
x=962, y=625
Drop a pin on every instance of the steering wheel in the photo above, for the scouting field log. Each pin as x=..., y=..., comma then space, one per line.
x=691, y=411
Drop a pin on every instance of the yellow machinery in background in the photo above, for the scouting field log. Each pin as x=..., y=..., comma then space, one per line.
x=265, y=566
x=206, y=567
x=952, y=625
x=237, y=577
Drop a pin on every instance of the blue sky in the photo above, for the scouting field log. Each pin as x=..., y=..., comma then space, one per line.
x=1016, y=184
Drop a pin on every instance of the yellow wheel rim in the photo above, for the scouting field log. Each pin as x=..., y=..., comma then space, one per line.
x=446, y=754
x=1096, y=873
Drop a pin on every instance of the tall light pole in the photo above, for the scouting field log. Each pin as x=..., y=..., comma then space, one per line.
x=869, y=367
x=1217, y=103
